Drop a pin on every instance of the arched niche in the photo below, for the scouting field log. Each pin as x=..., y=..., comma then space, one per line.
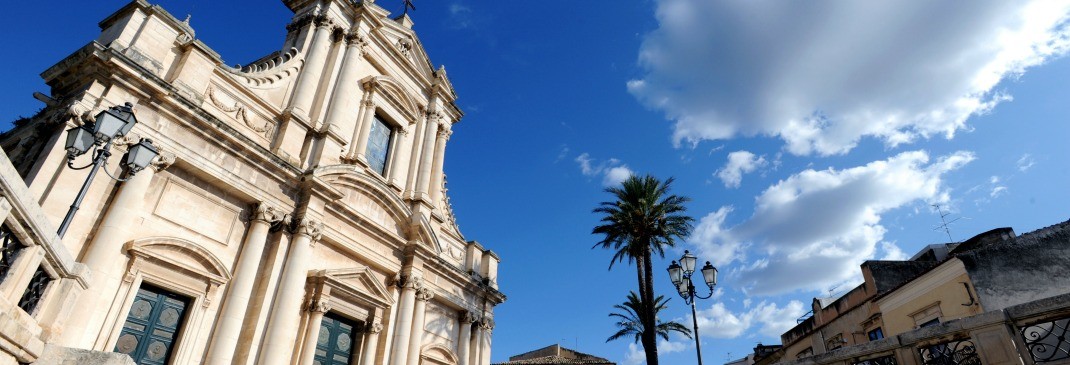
x=437, y=354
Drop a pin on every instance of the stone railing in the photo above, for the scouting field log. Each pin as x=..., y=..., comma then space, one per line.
x=37, y=273
x=1034, y=333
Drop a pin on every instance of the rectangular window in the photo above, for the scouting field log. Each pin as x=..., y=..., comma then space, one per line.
x=379, y=145
x=931, y=322
x=835, y=342
x=876, y=334
x=809, y=351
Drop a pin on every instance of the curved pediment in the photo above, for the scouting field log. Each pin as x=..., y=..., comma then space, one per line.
x=395, y=93
x=438, y=354
x=181, y=254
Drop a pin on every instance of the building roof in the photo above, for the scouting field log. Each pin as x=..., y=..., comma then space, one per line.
x=555, y=355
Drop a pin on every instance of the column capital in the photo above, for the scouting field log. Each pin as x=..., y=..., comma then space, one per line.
x=424, y=294
x=353, y=38
x=319, y=305
x=308, y=227
x=486, y=323
x=322, y=21
x=408, y=282
x=444, y=132
x=267, y=213
x=468, y=317
x=163, y=161
x=373, y=327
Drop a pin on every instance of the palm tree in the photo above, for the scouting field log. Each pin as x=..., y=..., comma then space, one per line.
x=630, y=324
x=643, y=220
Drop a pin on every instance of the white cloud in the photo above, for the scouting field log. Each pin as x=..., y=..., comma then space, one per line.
x=739, y=163
x=997, y=187
x=616, y=175
x=1026, y=162
x=771, y=320
x=460, y=16
x=821, y=75
x=892, y=252
x=613, y=170
x=635, y=355
x=814, y=228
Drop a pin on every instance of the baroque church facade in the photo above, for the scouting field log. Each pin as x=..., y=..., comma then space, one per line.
x=296, y=214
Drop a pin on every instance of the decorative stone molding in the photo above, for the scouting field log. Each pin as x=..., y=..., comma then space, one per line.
x=444, y=132
x=468, y=317
x=308, y=227
x=486, y=323
x=163, y=161
x=337, y=34
x=319, y=305
x=322, y=21
x=424, y=294
x=408, y=282
x=267, y=213
x=373, y=327
x=240, y=112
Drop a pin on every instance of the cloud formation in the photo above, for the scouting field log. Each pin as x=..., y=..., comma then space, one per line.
x=797, y=249
x=613, y=171
x=739, y=163
x=821, y=75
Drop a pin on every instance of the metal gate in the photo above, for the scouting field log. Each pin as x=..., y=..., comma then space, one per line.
x=152, y=326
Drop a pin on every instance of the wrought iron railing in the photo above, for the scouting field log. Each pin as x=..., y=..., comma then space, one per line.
x=9, y=250
x=1047, y=341
x=32, y=296
x=883, y=360
x=962, y=352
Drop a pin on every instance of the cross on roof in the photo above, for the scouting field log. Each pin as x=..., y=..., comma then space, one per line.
x=408, y=5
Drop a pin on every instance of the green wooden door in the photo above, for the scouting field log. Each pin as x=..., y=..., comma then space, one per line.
x=152, y=326
x=335, y=343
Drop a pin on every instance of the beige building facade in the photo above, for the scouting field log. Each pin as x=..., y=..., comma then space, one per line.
x=297, y=213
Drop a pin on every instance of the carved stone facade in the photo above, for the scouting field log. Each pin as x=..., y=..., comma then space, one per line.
x=300, y=196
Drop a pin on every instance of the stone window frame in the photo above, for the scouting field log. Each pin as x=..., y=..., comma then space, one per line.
x=392, y=104
x=394, y=136
x=334, y=291
x=809, y=351
x=835, y=342
x=159, y=261
x=926, y=314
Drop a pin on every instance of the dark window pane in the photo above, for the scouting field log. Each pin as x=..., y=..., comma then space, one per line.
x=378, y=145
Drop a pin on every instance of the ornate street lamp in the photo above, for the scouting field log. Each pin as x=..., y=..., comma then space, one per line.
x=110, y=124
x=680, y=274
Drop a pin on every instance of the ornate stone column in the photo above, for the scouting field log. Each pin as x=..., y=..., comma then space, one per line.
x=282, y=327
x=417, y=333
x=316, y=309
x=444, y=133
x=346, y=87
x=228, y=328
x=412, y=166
x=360, y=139
x=486, y=326
x=312, y=70
x=476, y=344
x=399, y=166
x=371, y=342
x=427, y=156
x=464, y=340
x=104, y=256
x=403, y=327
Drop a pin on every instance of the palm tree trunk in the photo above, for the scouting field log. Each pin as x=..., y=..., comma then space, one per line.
x=650, y=338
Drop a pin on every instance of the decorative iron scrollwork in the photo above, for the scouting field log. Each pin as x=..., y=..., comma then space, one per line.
x=32, y=296
x=1048, y=341
x=962, y=352
x=883, y=360
x=10, y=246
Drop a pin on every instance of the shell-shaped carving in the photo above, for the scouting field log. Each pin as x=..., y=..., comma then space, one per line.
x=268, y=70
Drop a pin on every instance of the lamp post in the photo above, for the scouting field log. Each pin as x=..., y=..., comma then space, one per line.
x=680, y=274
x=110, y=124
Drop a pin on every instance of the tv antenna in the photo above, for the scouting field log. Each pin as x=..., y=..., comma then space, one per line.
x=945, y=225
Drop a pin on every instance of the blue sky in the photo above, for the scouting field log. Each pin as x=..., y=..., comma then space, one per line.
x=811, y=136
